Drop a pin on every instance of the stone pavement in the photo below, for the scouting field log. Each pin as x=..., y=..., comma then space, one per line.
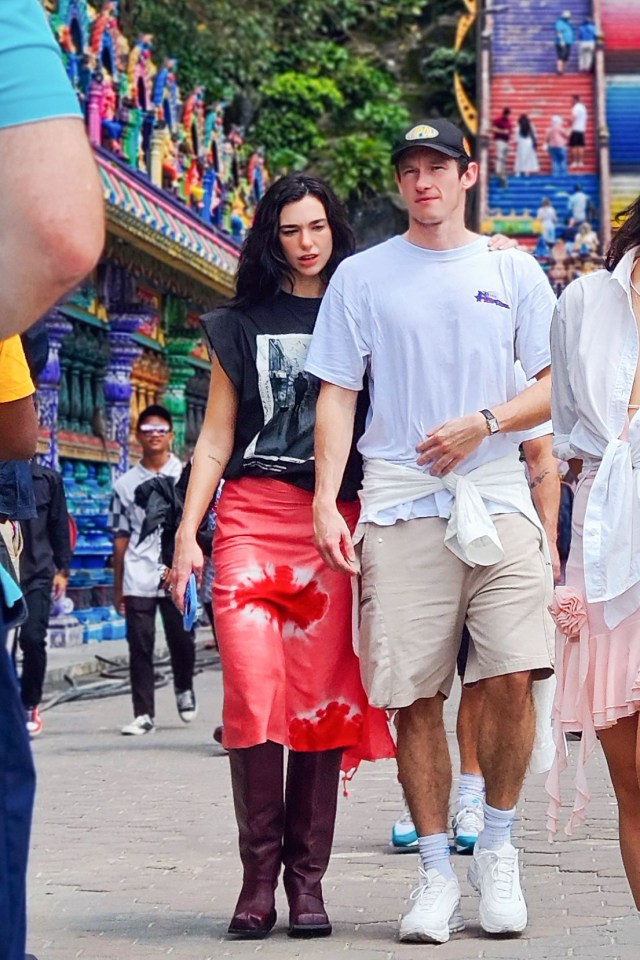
x=134, y=855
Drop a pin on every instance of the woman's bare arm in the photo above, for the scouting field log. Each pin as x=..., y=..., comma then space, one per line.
x=210, y=458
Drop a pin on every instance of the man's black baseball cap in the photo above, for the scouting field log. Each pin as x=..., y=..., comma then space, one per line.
x=440, y=135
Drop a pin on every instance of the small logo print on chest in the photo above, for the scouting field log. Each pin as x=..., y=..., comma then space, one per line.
x=489, y=296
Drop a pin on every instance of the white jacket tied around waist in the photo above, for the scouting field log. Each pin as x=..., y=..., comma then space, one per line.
x=611, y=535
x=594, y=343
x=471, y=533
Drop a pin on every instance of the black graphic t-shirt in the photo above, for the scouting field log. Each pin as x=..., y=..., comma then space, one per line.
x=263, y=351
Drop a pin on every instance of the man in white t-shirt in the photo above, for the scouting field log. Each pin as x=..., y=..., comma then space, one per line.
x=577, y=137
x=448, y=532
x=136, y=573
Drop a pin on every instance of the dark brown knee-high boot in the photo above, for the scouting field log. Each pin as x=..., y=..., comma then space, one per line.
x=257, y=777
x=311, y=799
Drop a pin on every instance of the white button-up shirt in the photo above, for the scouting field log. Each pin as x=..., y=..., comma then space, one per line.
x=594, y=349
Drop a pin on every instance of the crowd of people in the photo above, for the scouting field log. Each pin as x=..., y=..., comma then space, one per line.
x=564, y=141
x=409, y=636
x=398, y=473
x=576, y=232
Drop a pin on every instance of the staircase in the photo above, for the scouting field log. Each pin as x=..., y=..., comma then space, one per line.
x=623, y=117
x=524, y=35
x=522, y=196
x=621, y=29
x=541, y=99
x=523, y=78
x=625, y=188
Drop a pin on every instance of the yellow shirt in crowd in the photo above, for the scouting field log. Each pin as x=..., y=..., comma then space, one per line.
x=15, y=379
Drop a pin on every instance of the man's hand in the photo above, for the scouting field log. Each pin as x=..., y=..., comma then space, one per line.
x=118, y=601
x=60, y=582
x=332, y=538
x=451, y=443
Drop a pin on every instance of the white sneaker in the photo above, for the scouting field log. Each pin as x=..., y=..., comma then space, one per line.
x=436, y=911
x=495, y=875
x=467, y=824
x=187, y=707
x=139, y=726
x=403, y=832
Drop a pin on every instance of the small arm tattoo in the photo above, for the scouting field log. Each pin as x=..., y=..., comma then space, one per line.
x=211, y=457
x=538, y=480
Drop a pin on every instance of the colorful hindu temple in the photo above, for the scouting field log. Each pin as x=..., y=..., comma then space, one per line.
x=179, y=194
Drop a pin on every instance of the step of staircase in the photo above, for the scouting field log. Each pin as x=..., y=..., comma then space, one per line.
x=523, y=195
x=621, y=28
x=623, y=120
x=549, y=96
x=625, y=189
x=524, y=35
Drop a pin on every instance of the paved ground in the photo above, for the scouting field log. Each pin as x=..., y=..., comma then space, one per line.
x=134, y=856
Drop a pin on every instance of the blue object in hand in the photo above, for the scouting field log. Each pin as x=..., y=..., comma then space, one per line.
x=190, y=603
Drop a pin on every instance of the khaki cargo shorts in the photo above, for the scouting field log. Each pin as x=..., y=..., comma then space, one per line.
x=416, y=596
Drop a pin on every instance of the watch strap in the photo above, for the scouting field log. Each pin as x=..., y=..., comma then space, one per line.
x=492, y=424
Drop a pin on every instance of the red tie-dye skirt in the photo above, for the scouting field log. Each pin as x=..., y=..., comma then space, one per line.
x=283, y=623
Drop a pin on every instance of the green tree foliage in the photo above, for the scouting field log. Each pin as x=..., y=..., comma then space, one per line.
x=321, y=84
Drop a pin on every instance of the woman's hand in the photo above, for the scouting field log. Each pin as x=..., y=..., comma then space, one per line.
x=187, y=559
x=499, y=242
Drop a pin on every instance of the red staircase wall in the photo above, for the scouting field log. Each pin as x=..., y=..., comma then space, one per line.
x=621, y=25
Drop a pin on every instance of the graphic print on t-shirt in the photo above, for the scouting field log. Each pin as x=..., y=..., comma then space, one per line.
x=288, y=396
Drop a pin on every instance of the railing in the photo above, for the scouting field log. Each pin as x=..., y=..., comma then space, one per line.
x=602, y=129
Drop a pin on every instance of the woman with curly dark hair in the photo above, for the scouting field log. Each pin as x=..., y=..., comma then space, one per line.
x=595, y=404
x=283, y=619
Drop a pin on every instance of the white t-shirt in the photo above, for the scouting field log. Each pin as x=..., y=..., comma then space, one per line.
x=141, y=560
x=437, y=332
x=579, y=118
x=533, y=433
x=578, y=203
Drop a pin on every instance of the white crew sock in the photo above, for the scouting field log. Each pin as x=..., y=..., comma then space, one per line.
x=470, y=787
x=497, y=828
x=434, y=853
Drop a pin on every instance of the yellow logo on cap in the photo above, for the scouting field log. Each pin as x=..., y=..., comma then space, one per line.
x=422, y=132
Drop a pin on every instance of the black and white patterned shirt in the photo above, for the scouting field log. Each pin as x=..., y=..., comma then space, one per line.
x=141, y=560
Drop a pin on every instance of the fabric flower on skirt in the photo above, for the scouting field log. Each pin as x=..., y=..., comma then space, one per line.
x=569, y=612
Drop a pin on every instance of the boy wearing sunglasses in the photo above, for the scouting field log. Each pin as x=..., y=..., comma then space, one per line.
x=137, y=590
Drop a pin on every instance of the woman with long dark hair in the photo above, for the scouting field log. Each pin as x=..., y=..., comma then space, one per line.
x=526, y=147
x=595, y=404
x=282, y=618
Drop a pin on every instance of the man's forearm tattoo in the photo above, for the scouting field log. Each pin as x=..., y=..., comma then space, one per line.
x=538, y=480
x=211, y=457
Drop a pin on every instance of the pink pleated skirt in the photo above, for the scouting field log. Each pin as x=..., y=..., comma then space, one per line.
x=598, y=677
x=283, y=623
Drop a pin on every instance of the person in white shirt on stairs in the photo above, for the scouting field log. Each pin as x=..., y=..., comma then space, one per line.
x=577, y=137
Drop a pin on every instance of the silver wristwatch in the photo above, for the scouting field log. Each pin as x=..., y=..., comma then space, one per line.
x=492, y=424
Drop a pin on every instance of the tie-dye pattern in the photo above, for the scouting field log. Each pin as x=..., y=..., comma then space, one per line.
x=283, y=623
